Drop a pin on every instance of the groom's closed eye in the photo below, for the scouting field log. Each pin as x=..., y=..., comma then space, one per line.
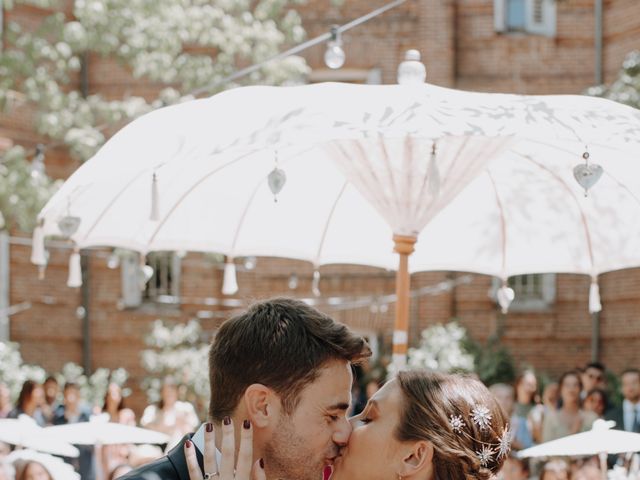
x=337, y=411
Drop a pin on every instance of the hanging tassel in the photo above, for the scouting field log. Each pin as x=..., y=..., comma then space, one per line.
x=505, y=295
x=75, y=270
x=315, y=283
x=155, y=200
x=433, y=173
x=229, y=282
x=595, y=305
x=38, y=253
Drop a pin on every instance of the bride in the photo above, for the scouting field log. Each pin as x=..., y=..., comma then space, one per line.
x=419, y=426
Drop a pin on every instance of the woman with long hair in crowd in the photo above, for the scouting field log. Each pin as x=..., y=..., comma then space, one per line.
x=170, y=415
x=29, y=402
x=526, y=388
x=569, y=418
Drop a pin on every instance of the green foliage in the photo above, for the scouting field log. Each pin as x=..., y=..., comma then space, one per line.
x=180, y=352
x=493, y=363
x=179, y=44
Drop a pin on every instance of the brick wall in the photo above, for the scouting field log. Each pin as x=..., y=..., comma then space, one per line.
x=461, y=49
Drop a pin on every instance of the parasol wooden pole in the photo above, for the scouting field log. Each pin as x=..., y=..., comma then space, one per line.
x=404, y=246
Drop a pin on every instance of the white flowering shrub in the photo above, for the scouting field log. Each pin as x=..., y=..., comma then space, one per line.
x=180, y=352
x=93, y=388
x=442, y=349
x=626, y=88
x=23, y=192
x=182, y=44
x=14, y=372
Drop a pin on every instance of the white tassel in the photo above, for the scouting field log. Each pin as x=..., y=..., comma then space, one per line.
x=75, y=270
x=229, y=282
x=155, y=200
x=315, y=283
x=505, y=296
x=38, y=254
x=595, y=305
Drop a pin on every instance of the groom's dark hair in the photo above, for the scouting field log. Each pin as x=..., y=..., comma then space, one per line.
x=280, y=343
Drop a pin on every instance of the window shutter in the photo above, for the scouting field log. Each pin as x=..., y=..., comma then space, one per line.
x=129, y=270
x=541, y=17
x=176, y=272
x=549, y=288
x=499, y=15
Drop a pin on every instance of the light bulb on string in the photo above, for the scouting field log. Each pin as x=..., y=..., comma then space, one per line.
x=334, y=56
x=113, y=261
x=250, y=262
x=293, y=282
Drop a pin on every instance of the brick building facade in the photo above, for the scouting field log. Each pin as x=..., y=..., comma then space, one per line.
x=469, y=44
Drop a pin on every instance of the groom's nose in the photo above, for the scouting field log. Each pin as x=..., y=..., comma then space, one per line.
x=342, y=432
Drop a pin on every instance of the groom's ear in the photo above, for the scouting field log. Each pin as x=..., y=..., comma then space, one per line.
x=418, y=458
x=262, y=405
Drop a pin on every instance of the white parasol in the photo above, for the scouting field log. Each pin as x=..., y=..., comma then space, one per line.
x=24, y=432
x=105, y=433
x=600, y=439
x=57, y=468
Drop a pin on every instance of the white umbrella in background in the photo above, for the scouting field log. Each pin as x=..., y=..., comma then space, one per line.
x=57, y=468
x=105, y=433
x=25, y=433
x=600, y=439
x=484, y=181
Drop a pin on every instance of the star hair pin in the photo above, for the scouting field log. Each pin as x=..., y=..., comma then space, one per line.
x=481, y=416
x=485, y=455
x=504, y=447
x=457, y=423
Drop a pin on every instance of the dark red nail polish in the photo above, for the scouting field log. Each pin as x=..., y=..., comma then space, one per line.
x=188, y=443
x=227, y=420
x=246, y=424
x=262, y=463
x=209, y=427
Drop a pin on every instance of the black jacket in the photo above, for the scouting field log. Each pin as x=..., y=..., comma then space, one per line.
x=173, y=466
x=617, y=415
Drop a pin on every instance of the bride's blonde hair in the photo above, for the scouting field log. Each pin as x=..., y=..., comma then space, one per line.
x=460, y=417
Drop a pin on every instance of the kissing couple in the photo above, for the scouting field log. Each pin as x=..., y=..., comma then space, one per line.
x=281, y=376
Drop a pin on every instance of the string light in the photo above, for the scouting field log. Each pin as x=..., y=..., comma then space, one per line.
x=334, y=56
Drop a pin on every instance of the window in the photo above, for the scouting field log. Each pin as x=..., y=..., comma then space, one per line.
x=533, y=292
x=516, y=15
x=529, y=16
x=164, y=285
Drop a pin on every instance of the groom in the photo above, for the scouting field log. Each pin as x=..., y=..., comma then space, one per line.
x=286, y=367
